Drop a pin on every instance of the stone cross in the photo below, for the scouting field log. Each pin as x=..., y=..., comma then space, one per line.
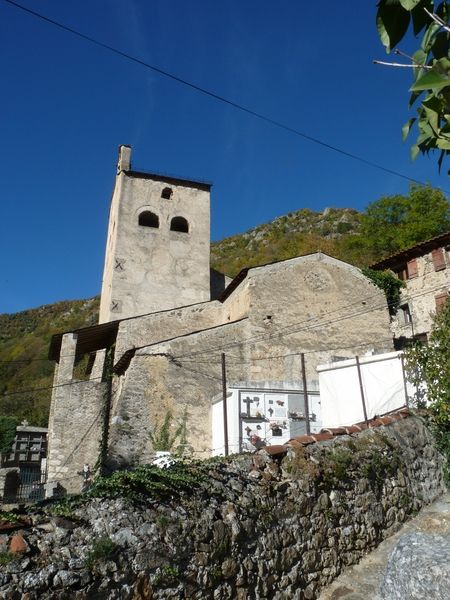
x=248, y=401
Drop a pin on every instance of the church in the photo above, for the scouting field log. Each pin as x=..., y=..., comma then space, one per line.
x=176, y=337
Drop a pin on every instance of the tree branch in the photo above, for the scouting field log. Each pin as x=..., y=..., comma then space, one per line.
x=437, y=20
x=391, y=64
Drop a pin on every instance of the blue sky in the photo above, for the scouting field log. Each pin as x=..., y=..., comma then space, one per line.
x=66, y=105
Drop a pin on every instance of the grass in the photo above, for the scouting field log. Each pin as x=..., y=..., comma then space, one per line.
x=102, y=549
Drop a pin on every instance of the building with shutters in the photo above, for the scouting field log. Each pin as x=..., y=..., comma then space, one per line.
x=425, y=269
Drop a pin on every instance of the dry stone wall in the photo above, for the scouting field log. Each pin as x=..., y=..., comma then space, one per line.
x=252, y=528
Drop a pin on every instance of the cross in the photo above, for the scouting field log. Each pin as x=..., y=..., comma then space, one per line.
x=119, y=264
x=248, y=401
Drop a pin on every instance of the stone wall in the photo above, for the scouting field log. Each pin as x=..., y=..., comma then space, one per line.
x=420, y=296
x=251, y=528
x=314, y=304
x=75, y=423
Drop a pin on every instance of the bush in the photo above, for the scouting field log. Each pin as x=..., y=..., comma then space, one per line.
x=428, y=369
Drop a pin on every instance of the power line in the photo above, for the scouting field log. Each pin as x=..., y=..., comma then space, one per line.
x=51, y=387
x=287, y=330
x=309, y=326
x=28, y=360
x=279, y=356
x=213, y=95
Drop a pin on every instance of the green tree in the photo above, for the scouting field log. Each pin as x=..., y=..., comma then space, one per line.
x=430, y=67
x=393, y=223
x=428, y=368
x=7, y=432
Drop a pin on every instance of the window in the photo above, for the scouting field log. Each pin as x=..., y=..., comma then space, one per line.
x=167, y=193
x=148, y=219
x=438, y=259
x=179, y=224
x=405, y=314
x=401, y=273
x=411, y=268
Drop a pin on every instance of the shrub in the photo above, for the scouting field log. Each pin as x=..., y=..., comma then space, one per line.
x=102, y=549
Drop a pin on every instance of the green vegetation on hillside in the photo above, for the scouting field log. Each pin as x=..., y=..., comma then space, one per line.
x=24, y=343
x=388, y=225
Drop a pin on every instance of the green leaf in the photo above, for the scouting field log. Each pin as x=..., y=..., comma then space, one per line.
x=406, y=127
x=433, y=108
x=429, y=38
x=419, y=17
x=430, y=81
x=441, y=45
x=392, y=22
x=414, y=152
x=419, y=58
x=443, y=144
x=409, y=4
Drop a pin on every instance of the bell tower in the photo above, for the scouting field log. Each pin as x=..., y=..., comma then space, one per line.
x=157, y=249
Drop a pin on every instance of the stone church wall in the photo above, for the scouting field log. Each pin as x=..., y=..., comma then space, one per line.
x=314, y=305
x=75, y=424
x=167, y=324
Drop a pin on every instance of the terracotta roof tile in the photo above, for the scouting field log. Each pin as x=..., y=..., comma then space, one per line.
x=303, y=439
x=278, y=449
x=353, y=429
x=321, y=437
x=332, y=432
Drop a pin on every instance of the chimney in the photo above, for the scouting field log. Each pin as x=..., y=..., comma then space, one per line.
x=124, y=162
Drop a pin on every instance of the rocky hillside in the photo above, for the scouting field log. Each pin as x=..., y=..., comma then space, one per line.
x=294, y=234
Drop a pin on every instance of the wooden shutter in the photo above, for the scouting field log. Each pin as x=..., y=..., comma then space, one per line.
x=438, y=259
x=440, y=300
x=411, y=267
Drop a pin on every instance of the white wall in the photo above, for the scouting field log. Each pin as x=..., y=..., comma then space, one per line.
x=274, y=407
x=340, y=393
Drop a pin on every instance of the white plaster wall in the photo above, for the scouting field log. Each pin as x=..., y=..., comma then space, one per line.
x=340, y=392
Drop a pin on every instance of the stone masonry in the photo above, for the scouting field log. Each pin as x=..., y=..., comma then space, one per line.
x=251, y=527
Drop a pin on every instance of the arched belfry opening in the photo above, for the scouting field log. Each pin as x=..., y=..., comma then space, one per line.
x=148, y=219
x=179, y=224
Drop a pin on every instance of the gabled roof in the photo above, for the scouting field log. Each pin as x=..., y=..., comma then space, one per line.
x=241, y=276
x=420, y=249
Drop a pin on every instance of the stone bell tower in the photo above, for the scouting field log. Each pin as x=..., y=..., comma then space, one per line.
x=157, y=250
